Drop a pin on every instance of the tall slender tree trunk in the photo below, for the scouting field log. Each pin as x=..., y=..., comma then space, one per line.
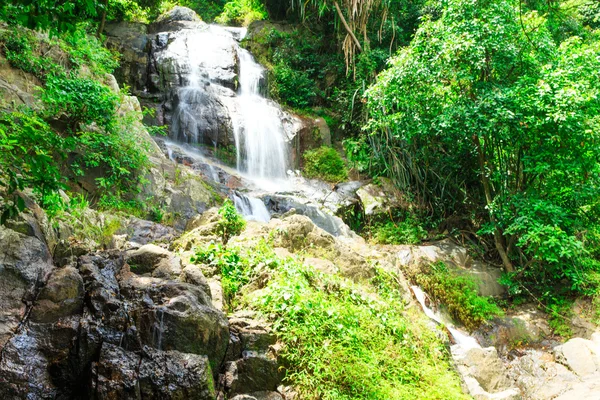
x=103, y=21
x=498, y=240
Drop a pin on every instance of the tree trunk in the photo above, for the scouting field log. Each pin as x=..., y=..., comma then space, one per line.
x=341, y=15
x=103, y=21
x=498, y=242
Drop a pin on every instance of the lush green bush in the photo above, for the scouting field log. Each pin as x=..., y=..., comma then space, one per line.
x=295, y=87
x=81, y=101
x=79, y=121
x=341, y=340
x=242, y=12
x=24, y=49
x=231, y=222
x=348, y=341
x=208, y=10
x=408, y=231
x=31, y=157
x=458, y=293
x=324, y=163
x=237, y=267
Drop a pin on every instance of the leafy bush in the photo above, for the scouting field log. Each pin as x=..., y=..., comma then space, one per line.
x=236, y=266
x=457, y=292
x=295, y=87
x=242, y=12
x=31, y=156
x=512, y=140
x=80, y=101
x=231, y=222
x=346, y=341
x=408, y=231
x=25, y=49
x=324, y=163
x=207, y=9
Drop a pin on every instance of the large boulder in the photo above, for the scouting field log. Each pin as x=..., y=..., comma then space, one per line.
x=131, y=40
x=25, y=262
x=580, y=355
x=175, y=19
x=120, y=374
x=297, y=233
x=62, y=296
x=253, y=367
x=525, y=326
x=379, y=200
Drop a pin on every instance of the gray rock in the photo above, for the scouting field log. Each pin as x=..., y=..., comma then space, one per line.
x=486, y=367
x=379, y=200
x=142, y=232
x=176, y=18
x=25, y=262
x=259, y=396
x=62, y=296
x=120, y=374
x=580, y=355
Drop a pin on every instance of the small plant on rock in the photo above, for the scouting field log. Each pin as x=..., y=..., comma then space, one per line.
x=231, y=222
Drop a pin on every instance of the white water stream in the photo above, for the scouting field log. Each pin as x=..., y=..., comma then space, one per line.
x=463, y=341
x=261, y=146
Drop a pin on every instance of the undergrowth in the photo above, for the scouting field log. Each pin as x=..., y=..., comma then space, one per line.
x=73, y=127
x=457, y=292
x=324, y=163
x=342, y=340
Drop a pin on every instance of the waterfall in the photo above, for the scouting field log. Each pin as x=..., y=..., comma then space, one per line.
x=251, y=208
x=215, y=90
x=259, y=134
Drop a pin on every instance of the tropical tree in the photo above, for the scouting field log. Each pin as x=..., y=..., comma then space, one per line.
x=486, y=112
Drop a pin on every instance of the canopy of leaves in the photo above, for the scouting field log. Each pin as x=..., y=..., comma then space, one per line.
x=488, y=110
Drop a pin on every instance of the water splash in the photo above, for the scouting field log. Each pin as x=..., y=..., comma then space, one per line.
x=251, y=208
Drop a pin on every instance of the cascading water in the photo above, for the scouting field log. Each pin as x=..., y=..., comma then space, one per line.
x=251, y=208
x=260, y=138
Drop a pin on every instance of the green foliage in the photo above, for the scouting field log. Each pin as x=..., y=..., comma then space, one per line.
x=324, y=163
x=28, y=51
x=242, y=12
x=347, y=341
x=408, y=231
x=81, y=101
x=236, y=266
x=86, y=224
x=457, y=292
x=358, y=153
x=559, y=316
x=295, y=86
x=491, y=110
x=31, y=156
x=79, y=121
x=231, y=222
x=209, y=10
x=87, y=51
x=53, y=15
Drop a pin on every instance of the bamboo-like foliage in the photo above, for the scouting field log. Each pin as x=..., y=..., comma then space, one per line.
x=354, y=16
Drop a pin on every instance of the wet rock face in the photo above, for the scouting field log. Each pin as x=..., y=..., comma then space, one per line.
x=24, y=263
x=119, y=374
x=94, y=329
x=183, y=68
x=252, y=368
